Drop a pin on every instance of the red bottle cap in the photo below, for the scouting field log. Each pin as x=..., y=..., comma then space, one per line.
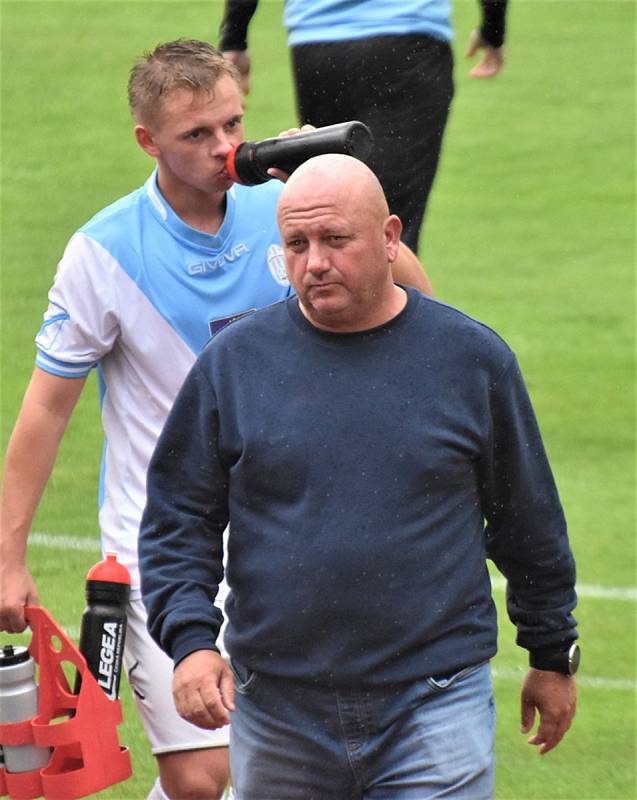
x=109, y=570
x=231, y=166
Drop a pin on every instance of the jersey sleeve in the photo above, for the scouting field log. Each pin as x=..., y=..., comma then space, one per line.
x=81, y=322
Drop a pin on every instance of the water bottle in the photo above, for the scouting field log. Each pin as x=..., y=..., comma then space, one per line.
x=248, y=163
x=18, y=702
x=103, y=628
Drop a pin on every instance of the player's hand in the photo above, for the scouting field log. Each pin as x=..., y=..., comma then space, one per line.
x=492, y=59
x=203, y=689
x=241, y=60
x=17, y=590
x=278, y=173
x=555, y=697
x=294, y=131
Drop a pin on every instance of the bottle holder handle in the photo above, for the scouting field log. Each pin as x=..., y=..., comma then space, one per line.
x=86, y=754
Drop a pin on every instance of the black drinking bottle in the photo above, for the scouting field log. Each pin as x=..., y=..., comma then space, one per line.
x=248, y=163
x=104, y=623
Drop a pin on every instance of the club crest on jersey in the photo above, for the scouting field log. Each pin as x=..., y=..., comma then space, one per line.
x=276, y=263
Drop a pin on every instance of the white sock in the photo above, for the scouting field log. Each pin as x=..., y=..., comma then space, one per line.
x=157, y=793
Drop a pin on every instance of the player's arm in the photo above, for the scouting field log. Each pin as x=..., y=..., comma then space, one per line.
x=408, y=270
x=233, y=37
x=46, y=409
x=489, y=38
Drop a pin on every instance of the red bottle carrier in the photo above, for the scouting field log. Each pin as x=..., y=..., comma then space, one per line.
x=80, y=728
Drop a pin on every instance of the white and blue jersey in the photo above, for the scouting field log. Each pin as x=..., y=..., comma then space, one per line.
x=337, y=20
x=137, y=294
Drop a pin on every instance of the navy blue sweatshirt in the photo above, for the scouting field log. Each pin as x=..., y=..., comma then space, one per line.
x=366, y=477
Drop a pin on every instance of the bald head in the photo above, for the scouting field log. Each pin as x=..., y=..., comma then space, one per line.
x=335, y=176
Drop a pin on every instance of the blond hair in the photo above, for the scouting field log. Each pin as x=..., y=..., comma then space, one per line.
x=182, y=64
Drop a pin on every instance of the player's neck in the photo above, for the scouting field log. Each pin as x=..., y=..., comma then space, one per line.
x=207, y=216
x=201, y=210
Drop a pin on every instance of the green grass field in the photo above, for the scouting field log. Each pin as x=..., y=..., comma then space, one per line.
x=530, y=228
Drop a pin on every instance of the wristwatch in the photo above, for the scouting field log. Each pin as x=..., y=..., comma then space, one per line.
x=565, y=660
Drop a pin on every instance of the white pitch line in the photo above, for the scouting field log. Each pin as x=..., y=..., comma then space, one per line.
x=625, y=593
x=85, y=543
x=66, y=542
x=585, y=681
x=508, y=674
x=72, y=631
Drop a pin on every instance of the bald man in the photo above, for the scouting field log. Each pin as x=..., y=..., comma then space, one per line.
x=356, y=437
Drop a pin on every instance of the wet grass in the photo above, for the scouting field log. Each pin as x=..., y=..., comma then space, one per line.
x=530, y=228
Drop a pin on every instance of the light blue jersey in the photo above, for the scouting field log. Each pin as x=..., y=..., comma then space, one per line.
x=137, y=294
x=309, y=21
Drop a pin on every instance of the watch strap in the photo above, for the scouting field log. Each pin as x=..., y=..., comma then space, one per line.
x=564, y=659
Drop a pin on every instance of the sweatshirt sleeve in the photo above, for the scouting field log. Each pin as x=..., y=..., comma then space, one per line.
x=233, y=33
x=526, y=532
x=181, y=533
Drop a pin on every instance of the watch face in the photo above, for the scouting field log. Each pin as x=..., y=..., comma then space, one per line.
x=573, y=659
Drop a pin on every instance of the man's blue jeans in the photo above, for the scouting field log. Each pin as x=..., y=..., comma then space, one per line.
x=428, y=739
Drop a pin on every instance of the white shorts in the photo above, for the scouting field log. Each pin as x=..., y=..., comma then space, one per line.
x=150, y=674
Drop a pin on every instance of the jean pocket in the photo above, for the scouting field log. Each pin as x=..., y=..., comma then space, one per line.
x=244, y=678
x=440, y=683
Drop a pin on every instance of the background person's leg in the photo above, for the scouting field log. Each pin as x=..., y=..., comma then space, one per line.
x=194, y=774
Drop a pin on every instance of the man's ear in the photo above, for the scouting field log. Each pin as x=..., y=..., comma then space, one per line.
x=146, y=140
x=392, y=230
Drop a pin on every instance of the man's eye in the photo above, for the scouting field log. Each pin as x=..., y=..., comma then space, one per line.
x=196, y=134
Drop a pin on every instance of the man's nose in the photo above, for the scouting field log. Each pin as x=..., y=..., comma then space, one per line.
x=317, y=261
x=222, y=145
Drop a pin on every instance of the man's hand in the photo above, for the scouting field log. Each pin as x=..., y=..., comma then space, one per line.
x=555, y=696
x=203, y=689
x=17, y=590
x=492, y=59
x=241, y=60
